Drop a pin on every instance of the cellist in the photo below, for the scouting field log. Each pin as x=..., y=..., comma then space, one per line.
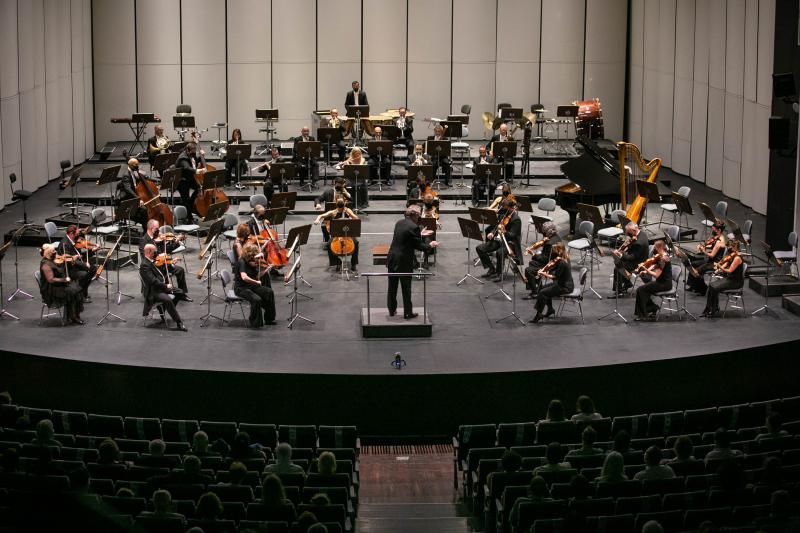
x=189, y=162
x=267, y=239
x=126, y=190
x=340, y=211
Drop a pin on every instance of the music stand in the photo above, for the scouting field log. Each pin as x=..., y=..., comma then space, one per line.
x=347, y=228
x=277, y=216
x=380, y=149
x=417, y=172
x=108, y=176
x=3, y=250
x=517, y=272
x=469, y=230
x=353, y=173
x=330, y=136
x=212, y=241
x=709, y=214
x=770, y=257
x=284, y=199
x=163, y=161
x=524, y=204
x=487, y=172
x=281, y=173
x=74, y=212
x=591, y=213
x=214, y=212
x=510, y=114
x=357, y=112
x=294, y=273
x=438, y=150
x=308, y=150
x=109, y=314
x=505, y=150
x=683, y=207
x=650, y=192
x=680, y=254
x=427, y=223
x=239, y=153
x=182, y=124
x=298, y=236
x=169, y=181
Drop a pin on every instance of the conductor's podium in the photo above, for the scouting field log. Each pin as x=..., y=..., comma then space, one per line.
x=376, y=322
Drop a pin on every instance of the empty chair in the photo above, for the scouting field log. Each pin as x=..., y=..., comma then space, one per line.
x=700, y=420
x=51, y=230
x=582, y=244
x=662, y=486
x=635, y=425
x=565, y=432
x=229, y=222
x=719, y=516
x=618, y=523
x=529, y=512
x=638, y=504
x=183, y=109
x=519, y=434
x=219, y=430
x=70, y=422
x=298, y=436
x=142, y=428
x=106, y=426
x=182, y=215
x=576, y=296
x=669, y=520
x=472, y=436
x=629, y=487
x=675, y=210
x=673, y=232
x=264, y=434
x=337, y=437
x=99, y=216
x=661, y=424
x=547, y=206
x=683, y=500
x=22, y=195
x=179, y=430
x=613, y=232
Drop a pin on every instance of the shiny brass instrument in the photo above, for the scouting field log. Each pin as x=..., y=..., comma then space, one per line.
x=162, y=144
x=651, y=168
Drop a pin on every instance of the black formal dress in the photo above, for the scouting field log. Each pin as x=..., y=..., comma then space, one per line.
x=154, y=288
x=79, y=270
x=539, y=260
x=126, y=190
x=412, y=185
x=274, y=182
x=479, y=186
x=187, y=186
x=635, y=254
x=513, y=237
x=562, y=284
x=56, y=291
x=175, y=271
x=301, y=160
x=407, y=238
x=498, y=158
x=261, y=297
x=703, y=264
x=445, y=163
x=644, y=303
x=728, y=282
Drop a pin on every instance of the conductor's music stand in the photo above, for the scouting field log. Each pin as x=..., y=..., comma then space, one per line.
x=357, y=112
x=330, y=136
x=489, y=174
x=281, y=173
x=380, y=149
x=469, y=230
x=238, y=153
x=770, y=255
x=347, y=228
x=354, y=173
x=298, y=236
x=438, y=150
x=310, y=151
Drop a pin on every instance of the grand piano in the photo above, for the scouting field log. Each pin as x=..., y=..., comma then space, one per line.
x=594, y=177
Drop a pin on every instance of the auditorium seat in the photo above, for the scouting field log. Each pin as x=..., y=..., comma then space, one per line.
x=179, y=430
x=662, y=486
x=745, y=514
x=159, y=525
x=617, y=523
x=684, y=500
x=264, y=434
x=298, y=436
x=347, y=454
x=106, y=426
x=539, y=450
x=185, y=491
x=585, y=461
x=233, y=493
x=338, y=437
x=469, y=437
x=548, y=525
x=719, y=516
x=133, y=445
x=593, y=506
x=688, y=468
x=264, y=526
x=142, y=428
x=213, y=526
x=529, y=512
x=558, y=476
x=131, y=506
x=107, y=471
x=70, y=422
x=602, y=426
x=700, y=420
x=733, y=416
x=635, y=425
x=662, y=424
x=518, y=434
x=233, y=510
x=638, y=504
x=292, y=479
x=103, y=487
x=670, y=520
x=219, y=430
x=328, y=513
x=563, y=432
x=621, y=488
x=473, y=459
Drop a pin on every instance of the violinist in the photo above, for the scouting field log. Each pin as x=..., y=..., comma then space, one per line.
x=445, y=162
x=157, y=287
x=190, y=161
x=340, y=211
x=416, y=158
x=731, y=271
x=57, y=287
x=273, y=182
x=429, y=210
x=253, y=284
x=166, y=245
x=81, y=270
x=708, y=253
x=657, y=272
x=632, y=252
x=505, y=192
x=542, y=253
x=558, y=271
x=126, y=190
x=243, y=237
x=510, y=226
x=230, y=164
x=479, y=192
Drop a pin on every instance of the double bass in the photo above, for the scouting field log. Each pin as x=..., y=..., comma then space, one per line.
x=147, y=191
x=206, y=197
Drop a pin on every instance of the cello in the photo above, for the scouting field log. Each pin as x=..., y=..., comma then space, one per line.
x=206, y=198
x=340, y=246
x=147, y=191
x=268, y=240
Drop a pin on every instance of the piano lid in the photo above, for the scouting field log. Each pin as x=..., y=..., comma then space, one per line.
x=595, y=170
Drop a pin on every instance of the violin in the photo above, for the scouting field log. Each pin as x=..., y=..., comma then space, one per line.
x=63, y=258
x=709, y=243
x=165, y=260
x=648, y=263
x=535, y=246
x=724, y=263
x=545, y=270
x=169, y=237
x=627, y=244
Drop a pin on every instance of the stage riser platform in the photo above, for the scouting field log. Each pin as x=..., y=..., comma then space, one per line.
x=791, y=302
x=778, y=285
x=383, y=326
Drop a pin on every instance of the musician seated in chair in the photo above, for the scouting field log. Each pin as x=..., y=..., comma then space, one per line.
x=380, y=164
x=81, y=268
x=709, y=252
x=157, y=288
x=340, y=211
x=301, y=159
x=509, y=225
x=731, y=271
x=57, y=287
x=189, y=162
x=502, y=136
x=157, y=144
x=445, y=163
x=505, y=192
x=165, y=244
x=558, y=271
x=273, y=182
x=357, y=158
x=332, y=195
x=126, y=190
x=230, y=164
x=634, y=251
x=550, y=238
x=479, y=186
x=416, y=158
x=657, y=274
x=258, y=223
x=336, y=122
x=406, y=126
x=253, y=284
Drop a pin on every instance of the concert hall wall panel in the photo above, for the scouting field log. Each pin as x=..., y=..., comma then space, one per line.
x=339, y=52
x=734, y=102
x=700, y=92
x=682, y=116
x=562, y=52
x=249, y=33
x=10, y=156
x=33, y=135
x=634, y=116
x=519, y=27
x=58, y=90
x=384, y=53
x=474, y=58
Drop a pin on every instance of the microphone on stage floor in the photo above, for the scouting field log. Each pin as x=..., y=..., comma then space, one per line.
x=398, y=362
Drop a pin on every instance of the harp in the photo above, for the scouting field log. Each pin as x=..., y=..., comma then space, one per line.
x=639, y=167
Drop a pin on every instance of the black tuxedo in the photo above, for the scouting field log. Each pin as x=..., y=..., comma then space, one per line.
x=407, y=238
x=273, y=182
x=479, y=191
x=446, y=162
x=513, y=237
x=187, y=186
x=350, y=99
x=174, y=270
x=302, y=162
x=154, y=288
x=407, y=134
x=498, y=158
x=126, y=190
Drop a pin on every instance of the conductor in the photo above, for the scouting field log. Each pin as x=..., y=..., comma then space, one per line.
x=407, y=237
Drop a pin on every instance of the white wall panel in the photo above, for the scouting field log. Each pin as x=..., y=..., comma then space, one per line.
x=338, y=52
x=5, y=193
x=249, y=52
x=77, y=88
x=474, y=53
x=560, y=41
x=9, y=75
x=384, y=55
x=636, y=84
x=293, y=84
x=9, y=122
x=749, y=169
x=204, y=84
x=699, y=130
x=561, y=84
x=606, y=81
x=766, y=45
x=716, y=52
x=159, y=93
x=479, y=95
x=714, y=142
x=429, y=37
x=751, y=50
x=204, y=88
x=761, y=177
x=734, y=47
x=732, y=146
x=682, y=126
x=701, y=41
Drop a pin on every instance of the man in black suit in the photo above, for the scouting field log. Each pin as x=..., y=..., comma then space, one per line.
x=380, y=164
x=445, y=162
x=271, y=182
x=189, y=161
x=406, y=126
x=502, y=136
x=301, y=160
x=156, y=289
x=151, y=236
x=338, y=123
x=356, y=96
x=126, y=190
x=636, y=251
x=479, y=186
x=513, y=233
x=407, y=238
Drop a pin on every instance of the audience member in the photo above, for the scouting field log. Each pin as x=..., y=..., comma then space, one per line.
x=774, y=431
x=45, y=434
x=5, y=398
x=588, y=438
x=554, y=457
x=9, y=462
x=79, y=480
x=581, y=488
x=44, y=465
x=237, y=472
x=155, y=456
x=772, y=474
x=326, y=464
x=622, y=442
x=108, y=452
x=124, y=492
x=320, y=499
x=318, y=528
x=653, y=467
x=510, y=461
x=555, y=411
x=306, y=520
x=209, y=507
x=613, y=470
x=162, y=507
x=273, y=498
x=200, y=445
x=242, y=448
x=190, y=474
x=730, y=479
x=683, y=449
x=652, y=526
x=780, y=516
x=537, y=492
x=585, y=410
x=283, y=461
x=722, y=447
